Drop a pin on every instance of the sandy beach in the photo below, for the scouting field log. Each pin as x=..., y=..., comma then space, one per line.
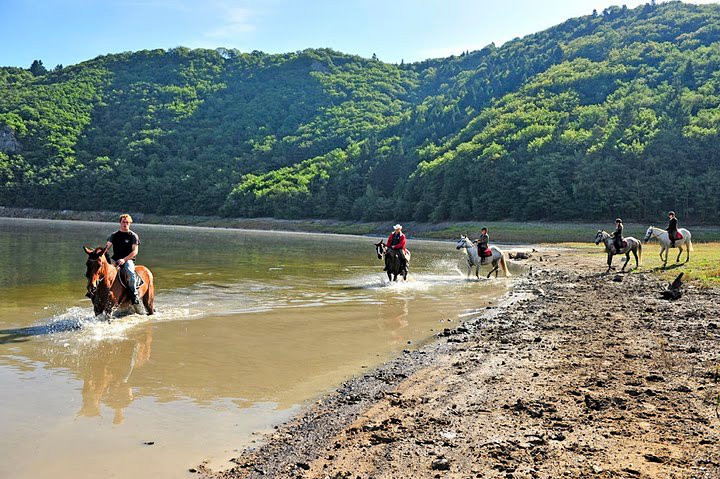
x=577, y=374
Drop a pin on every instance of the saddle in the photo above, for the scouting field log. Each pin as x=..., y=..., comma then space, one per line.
x=484, y=253
x=678, y=236
x=623, y=245
x=124, y=280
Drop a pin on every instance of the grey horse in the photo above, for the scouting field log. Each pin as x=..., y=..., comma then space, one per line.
x=632, y=245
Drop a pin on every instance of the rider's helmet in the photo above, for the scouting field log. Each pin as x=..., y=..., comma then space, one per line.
x=671, y=213
x=618, y=220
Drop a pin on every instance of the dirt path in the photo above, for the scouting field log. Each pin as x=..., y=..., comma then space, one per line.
x=581, y=375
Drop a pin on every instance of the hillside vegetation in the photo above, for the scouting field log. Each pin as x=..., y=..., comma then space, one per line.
x=612, y=114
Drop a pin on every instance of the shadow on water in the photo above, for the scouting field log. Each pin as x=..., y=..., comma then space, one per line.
x=20, y=335
x=72, y=320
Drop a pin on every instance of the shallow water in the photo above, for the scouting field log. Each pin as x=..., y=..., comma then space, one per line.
x=250, y=326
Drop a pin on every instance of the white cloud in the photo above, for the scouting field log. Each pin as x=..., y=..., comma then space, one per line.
x=235, y=21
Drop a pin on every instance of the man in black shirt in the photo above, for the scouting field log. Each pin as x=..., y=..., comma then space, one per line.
x=125, y=245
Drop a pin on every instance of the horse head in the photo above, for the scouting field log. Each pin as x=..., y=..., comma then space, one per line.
x=96, y=268
x=463, y=242
x=648, y=234
x=600, y=236
x=380, y=249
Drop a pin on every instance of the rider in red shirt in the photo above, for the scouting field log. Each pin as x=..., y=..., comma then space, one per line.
x=396, y=240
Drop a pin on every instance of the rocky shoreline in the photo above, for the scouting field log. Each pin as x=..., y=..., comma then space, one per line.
x=578, y=374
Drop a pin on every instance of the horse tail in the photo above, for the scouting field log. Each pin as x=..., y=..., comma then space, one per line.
x=689, y=243
x=505, y=269
x=639, y=252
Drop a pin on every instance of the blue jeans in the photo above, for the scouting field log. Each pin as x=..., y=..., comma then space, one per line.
x=129, y=268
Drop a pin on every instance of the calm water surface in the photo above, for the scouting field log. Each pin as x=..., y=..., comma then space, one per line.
x=250, y=325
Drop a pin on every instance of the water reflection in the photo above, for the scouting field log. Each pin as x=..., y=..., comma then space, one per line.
x=393, y=316
x=106, y=368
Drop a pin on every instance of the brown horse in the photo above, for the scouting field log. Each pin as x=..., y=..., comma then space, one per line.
x=105, y=288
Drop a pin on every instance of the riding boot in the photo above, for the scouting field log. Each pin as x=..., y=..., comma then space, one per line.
x=672, y=243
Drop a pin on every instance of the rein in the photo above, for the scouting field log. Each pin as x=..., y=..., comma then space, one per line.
x=102, y=277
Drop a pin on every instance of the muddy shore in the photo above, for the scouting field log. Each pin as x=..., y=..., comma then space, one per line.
x=577, y=375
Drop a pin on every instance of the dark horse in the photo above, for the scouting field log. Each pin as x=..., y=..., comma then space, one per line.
x=394, y=262
x=106, y=289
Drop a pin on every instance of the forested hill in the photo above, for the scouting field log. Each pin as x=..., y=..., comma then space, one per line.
x=612, y=114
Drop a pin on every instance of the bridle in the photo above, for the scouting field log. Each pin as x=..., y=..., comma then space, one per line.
x=463, y=243
x=95, y=280
x=652, y=234
x=380, y=249
x=601, y=236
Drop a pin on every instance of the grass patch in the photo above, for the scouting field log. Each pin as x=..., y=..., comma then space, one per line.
x=703, y=267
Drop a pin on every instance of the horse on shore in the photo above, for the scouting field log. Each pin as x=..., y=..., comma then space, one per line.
x=632, y=245
x=395, y=265
x=664, y=239
x=473, y=258
x=106, y=289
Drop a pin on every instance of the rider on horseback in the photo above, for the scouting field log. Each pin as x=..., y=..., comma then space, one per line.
x=482, y=243
x=397, y=241
x=125, y=248
x=672, y=228
x=617, y=235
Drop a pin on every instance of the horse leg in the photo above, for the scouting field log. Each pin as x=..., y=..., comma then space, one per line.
x=637, y=262
x=627, y=260
x=680, y=248
x=148, y=299
x=494, y=269
x=609, y=262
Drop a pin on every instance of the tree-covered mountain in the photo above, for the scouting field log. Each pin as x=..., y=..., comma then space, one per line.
x=612, y=114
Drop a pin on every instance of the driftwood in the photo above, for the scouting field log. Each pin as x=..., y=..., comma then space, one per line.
x=519, y=255
x=673, y=292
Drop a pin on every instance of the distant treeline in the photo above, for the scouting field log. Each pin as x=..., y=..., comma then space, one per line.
x=613, y=114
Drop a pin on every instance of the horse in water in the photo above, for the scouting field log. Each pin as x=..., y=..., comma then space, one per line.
x=106, y=288
x=630, y=245
x=664, y=239
x=473, y=258
x=395, y=265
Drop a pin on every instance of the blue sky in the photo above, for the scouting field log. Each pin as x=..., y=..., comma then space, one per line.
x=71, y=31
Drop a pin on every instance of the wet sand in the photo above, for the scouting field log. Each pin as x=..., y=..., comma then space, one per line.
x=577, y=375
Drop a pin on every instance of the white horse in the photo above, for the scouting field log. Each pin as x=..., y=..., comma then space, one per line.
x=473, y=258
x=664, y=239
x=631, y=245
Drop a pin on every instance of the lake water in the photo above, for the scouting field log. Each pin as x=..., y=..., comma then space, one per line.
x=249, y=327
